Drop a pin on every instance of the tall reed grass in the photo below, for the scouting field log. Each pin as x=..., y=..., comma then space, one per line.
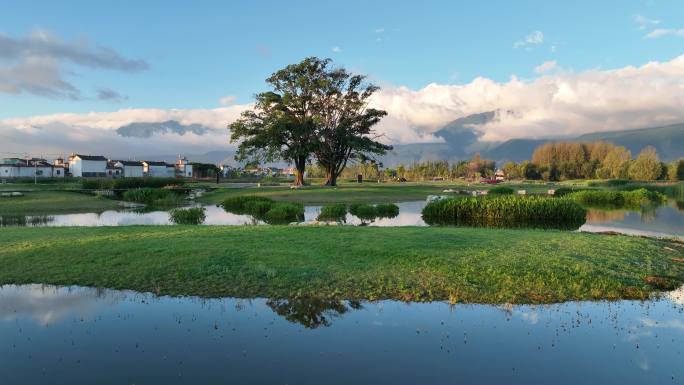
x=189, y=216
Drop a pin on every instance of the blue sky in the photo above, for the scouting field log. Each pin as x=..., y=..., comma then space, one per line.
x=201, y=51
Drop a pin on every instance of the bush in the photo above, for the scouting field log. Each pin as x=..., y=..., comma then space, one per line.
x=284, y=213
x=128, y=183
x=153, y=196
x=609, y=183
x=191, y=216
x=618, y=199
x=506, y=211
x=363, y=211
x=333, y=212
x=501, y=190
x=563, y=191
x=386, y=210
x=239, y=204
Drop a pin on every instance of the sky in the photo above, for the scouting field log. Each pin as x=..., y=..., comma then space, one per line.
x=74, y=73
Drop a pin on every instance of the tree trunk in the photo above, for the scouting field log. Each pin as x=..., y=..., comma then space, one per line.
x=300, y=165
x=330, y=177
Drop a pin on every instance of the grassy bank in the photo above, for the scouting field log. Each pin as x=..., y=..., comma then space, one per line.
x=358, y=193
x=460, y=264
x=54, y=202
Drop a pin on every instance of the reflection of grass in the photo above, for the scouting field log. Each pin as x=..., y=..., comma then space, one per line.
x=53, y=202
x=461, y=264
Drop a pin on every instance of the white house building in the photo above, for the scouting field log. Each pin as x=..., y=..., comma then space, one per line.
x=29, y=168
x=131, y=168
x=158, y=169
x=183, y=168
x=87, y=166
x=114, y=171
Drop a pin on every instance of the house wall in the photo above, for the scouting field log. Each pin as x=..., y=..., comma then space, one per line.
x=9, y=171
x=133, y=171
x=87, y=168
x=184, y=170
x=30, y=172
x=157, y=171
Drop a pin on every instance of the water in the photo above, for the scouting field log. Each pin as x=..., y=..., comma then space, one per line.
x=78, y=335
x=663, y=221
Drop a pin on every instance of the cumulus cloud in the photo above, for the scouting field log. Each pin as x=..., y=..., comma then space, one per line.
x=561, y=104
x=536, y=37
x=35, y=64
x=546, y=66
x=126, y=132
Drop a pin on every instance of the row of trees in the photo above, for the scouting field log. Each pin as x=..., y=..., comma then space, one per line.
x=593, y=160
x=314, y=111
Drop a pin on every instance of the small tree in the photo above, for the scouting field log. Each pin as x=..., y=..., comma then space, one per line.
x=646, y=166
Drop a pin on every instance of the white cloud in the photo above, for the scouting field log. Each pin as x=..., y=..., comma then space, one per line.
x=35, y=64
x=228, y=100
x=559, y=104
x=643, y=22
x=336, y=49
x=536, y=37
x=546, y=67
x=660, y=32
x=379, y=30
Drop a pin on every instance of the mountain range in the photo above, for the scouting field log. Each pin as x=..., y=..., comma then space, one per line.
x=461, y=141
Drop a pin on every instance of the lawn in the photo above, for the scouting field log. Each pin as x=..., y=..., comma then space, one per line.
x=357, y=193
x=419, y=264
x=53, y=202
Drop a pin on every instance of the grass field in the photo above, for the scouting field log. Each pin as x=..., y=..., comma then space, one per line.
x=54, y=202
x=420, y=264
x=357, y=193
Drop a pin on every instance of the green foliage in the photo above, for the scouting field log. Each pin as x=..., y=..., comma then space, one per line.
x=506, y=211
x=646, y=166
x=609, y=183
x=128, y=183
x=386, y=210
x=284, y=213
x=618, y=199
x=363, y=211
x=333, y=212
x=153, y=196
x=240, y=204
x=190, y=216
x=563, y=191
x=501, y=190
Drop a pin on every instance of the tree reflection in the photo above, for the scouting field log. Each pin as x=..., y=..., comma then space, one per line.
x=312, y=312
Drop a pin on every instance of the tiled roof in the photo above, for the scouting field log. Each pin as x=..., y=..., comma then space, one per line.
x=91, y=157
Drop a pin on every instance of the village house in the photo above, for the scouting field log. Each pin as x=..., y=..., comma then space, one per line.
x=157, y=169
x=183, y=168
x=87, y=166
x=131, y=168
x=114, y=171
x=29, y=168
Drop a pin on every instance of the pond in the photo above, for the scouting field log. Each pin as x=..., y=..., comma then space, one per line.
x=663, y=221
x=75, y=335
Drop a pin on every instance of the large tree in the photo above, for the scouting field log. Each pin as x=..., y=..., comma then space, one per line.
x=282, y=124
x=646, y=166
x=345, y=121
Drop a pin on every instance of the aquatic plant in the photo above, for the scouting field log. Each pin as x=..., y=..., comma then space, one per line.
x=333, y=212
x=363, y=211
x=283, y=213
x=618, y=199
x=128, y=183
x=189, y=216
x=501, y=190
x=386, y=210
x=153, y=196
x=241, y=203
x=506, y=211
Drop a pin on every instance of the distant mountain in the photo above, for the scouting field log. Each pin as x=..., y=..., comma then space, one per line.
x=462, y=141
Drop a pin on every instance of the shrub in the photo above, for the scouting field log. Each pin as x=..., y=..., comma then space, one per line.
x=257, y=208
x=563, y=191
x=239, y=204
x=363, y=211
x=333, y=212
x=506, y=211
x=609, y=183
x=129, y=183
x=191, y=216
x=386, y=210
x=618, y=199
x=284, y=212
x=501, y=190
x=153, y=196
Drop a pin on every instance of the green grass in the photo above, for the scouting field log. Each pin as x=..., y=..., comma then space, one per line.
x=633, y=199
x=54, y=202
x=420, y=264
x=357, y=193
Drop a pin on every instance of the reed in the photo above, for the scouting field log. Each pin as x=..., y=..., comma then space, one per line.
x=333, y=212
x=618, y=199
x=153, y=196
x=190, y=216
x=506, y=211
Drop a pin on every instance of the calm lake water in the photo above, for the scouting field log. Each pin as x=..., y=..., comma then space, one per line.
x=666, y=220
x=75, y=335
